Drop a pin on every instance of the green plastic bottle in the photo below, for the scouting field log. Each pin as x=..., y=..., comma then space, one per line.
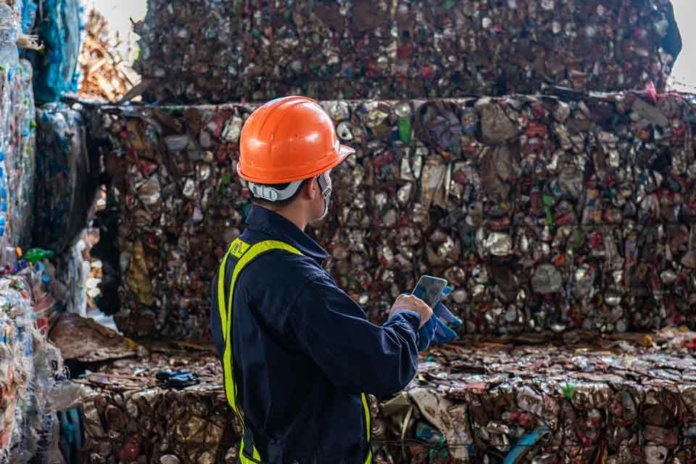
x=34, y=255
x=404, y=112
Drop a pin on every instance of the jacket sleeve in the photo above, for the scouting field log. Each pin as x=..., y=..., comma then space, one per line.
x=354, y=354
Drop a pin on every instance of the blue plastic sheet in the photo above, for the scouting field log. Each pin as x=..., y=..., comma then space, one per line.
x=60, y=30
x=28, y=10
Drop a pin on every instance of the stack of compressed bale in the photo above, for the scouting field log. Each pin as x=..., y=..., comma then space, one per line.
x=543, y=213
x=214, y=51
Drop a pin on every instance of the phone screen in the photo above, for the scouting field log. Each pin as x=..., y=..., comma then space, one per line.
x=429, y=289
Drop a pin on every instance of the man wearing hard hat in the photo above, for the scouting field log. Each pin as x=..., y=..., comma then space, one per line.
x=298, y=354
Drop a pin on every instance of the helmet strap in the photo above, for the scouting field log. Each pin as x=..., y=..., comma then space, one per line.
x=324, y=182
x=271, y=194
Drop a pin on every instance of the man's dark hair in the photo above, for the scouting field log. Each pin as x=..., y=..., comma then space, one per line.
x=282, y=203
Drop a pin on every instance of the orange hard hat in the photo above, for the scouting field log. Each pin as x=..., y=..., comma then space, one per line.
x=287, y=140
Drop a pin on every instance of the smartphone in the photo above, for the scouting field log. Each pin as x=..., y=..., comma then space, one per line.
x=429, y=289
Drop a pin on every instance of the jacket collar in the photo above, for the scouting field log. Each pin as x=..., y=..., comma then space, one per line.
x=275, y=225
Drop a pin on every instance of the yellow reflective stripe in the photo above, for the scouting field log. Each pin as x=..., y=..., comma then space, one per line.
x=221, y=306
x=221, y=289
x=245, y=254
x=253, y=252
x=368, y=426
x=245, y=460
x=236, y=247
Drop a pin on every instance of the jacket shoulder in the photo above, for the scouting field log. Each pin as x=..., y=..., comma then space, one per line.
x=274, y=280
x=284, y=266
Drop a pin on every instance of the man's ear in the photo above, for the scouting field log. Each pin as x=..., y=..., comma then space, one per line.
x=310, y=189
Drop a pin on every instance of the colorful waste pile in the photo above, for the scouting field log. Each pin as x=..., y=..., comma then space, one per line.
x=543, y=213
x=213, y=51
x=20, y=163
x=66, y=178
x=17, y=26
x=17, y=140
x=622, y=399
x=30, y=369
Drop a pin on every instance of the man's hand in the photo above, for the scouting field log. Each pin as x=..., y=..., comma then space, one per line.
x=415, y=304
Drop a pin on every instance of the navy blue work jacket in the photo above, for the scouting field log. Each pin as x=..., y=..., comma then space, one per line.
x=304, y=351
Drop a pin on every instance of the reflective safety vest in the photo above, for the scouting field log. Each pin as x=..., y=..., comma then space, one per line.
x=244, y=254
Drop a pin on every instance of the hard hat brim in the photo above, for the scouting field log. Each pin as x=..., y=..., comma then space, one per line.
x=344, y=151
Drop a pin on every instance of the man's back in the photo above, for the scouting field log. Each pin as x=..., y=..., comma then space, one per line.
x=304, y=353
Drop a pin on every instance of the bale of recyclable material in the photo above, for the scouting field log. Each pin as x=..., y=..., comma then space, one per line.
x=129, y=414
x=29, y=369
x=552, y=212
x=66, y=178
x=17, y=141
x=196, y=51
x=620, y=399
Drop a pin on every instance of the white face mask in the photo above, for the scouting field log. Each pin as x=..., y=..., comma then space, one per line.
x=324, y=181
